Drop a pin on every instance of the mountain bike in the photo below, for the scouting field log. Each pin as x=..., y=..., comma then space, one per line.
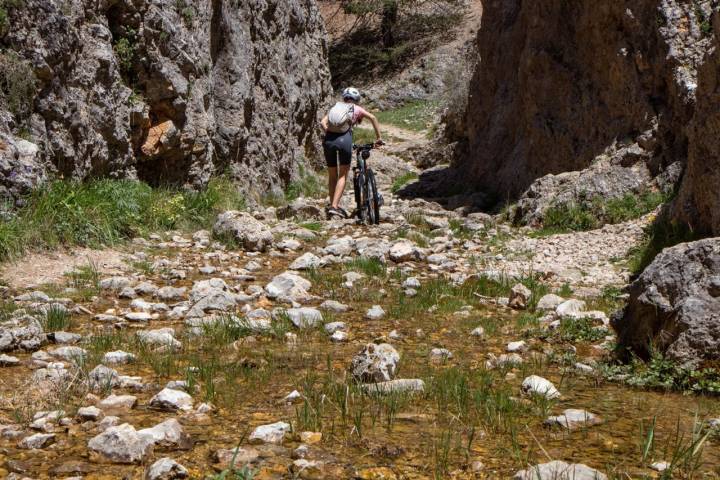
x=367, y=197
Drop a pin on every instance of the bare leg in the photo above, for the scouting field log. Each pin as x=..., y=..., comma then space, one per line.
x=340, y=186
x=332, y=181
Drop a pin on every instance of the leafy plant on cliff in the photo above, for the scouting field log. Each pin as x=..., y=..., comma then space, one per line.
x=17, y=84
x=661, y=234
x=126, y=49
x=5, y=7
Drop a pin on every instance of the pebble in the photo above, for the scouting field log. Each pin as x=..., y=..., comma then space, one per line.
x=519, y=346
x=166, y=469
x=339, y=336
x=440, y=354
x=478, y=332
x=91, y=413
x=660, y=466
x=8, y=361
x=334, y=306
x=118, y=357
x=118, y=402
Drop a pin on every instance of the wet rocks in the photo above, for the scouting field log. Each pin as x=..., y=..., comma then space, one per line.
x=674, y=307
x=241, y=227
x=170, y=400
x=535, y=385
x=559, y=470
x=121, y=444
x=168, y=434
x=37, y=441
x=272, y=433
x=166, y=469
x=375, y=363
x=573, y=419
x=23, y=332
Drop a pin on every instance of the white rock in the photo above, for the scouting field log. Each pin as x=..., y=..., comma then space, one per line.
x=37, y=441
x=91, y=413
x=573, y=418
x=535, y=385
x=549, y=302
x=121, y=444
x=375, y=312
x=288, y=285
x=170, y=400
x=411, y=282
x=375, y=363
x=394, y=386
x=519, y=296
x=304, y=317
x=273, y=433
x=519, y=346
x=166, y=469
x=306, y=261
x=569, y=307
x=660, y=466
x=334, y=306
x=117, y=402
x=478, y=332
x=440, y=354
x=559, y=470
x=339, y=336
x=168, y=434
x=118, y=357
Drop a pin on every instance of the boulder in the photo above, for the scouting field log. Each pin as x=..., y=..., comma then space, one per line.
x=674, y=306
x=168, y=434
x=375, y=363
x=304, y=317
x=241, y=227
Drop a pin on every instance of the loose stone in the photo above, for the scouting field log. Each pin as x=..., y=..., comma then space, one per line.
x=273, y=433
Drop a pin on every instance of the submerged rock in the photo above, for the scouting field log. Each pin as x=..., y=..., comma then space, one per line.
x=573, y=418
x=166, y=469
x=558, y=470
x=121, y=444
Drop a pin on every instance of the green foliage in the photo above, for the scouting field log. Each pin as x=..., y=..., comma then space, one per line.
x=594, y=212
x=126, y=49
x=660, y=372
x=403, y=180
x=312, y=226
x=18, y=84
x=661, y=234
x=308, y=184
x=372, y=267
x=415, y=115
x=106, y=212
x=580, y=330
x=56, y=319
x=185, y=10
x=5, y=7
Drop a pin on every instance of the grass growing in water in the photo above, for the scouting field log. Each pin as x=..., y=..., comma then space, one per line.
x=106, y=212
x=56, y=319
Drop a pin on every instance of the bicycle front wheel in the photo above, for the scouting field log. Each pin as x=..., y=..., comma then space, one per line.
x=373, y=199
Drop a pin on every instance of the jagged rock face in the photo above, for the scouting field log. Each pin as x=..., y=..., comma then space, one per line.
x=698, y=204
x=559, y=82
x=674, y=306
x=172, y=91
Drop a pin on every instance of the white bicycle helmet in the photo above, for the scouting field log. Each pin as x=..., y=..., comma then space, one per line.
x=351, y=93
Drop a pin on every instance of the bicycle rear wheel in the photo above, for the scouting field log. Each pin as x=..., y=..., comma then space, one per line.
x=373, y=199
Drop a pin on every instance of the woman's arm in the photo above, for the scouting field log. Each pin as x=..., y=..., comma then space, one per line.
x=324, y=123
x=376, y=127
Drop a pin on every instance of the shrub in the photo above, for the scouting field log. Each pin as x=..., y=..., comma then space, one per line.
x=661, y=234
x=17, y=83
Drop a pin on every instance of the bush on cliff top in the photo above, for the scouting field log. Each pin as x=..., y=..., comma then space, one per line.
x=106, y=212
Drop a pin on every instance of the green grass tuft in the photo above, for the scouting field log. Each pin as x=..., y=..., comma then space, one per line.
x=106, y=212
x=403, y=180
x=416, y=115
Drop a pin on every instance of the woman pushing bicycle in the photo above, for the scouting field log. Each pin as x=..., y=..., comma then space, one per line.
x=338, y=124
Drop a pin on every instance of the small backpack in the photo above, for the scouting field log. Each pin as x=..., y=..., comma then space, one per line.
x=340, y=117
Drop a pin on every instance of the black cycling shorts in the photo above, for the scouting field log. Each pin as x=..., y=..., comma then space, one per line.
x=338, y=148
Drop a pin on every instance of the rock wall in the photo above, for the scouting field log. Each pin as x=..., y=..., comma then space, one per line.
x=168, y=90
x=698, y=203
x=561, y=82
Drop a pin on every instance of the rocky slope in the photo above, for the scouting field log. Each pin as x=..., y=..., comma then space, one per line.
x=561, y=84
x=165, y=90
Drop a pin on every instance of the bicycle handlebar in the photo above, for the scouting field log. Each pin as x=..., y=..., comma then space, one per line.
x=367, y=146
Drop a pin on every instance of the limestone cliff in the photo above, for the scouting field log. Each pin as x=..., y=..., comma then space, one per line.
x=165, y=90
x=559, y=83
